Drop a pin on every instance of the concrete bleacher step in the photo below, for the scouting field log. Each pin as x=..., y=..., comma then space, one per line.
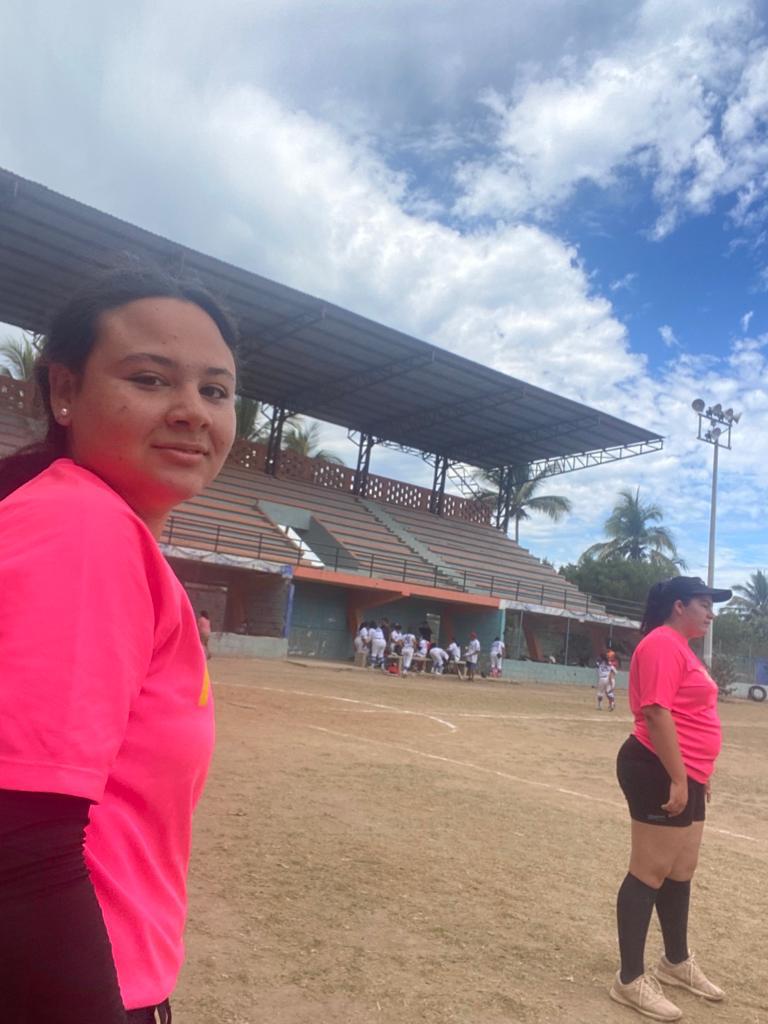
x=444, y=571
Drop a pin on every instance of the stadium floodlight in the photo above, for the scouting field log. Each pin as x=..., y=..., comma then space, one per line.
x=715, y=428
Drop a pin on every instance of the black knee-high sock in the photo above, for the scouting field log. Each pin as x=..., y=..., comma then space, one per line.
x=672, y=905
x=634, y=908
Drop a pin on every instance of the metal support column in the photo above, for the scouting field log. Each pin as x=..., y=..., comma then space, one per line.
x=364, y=448
x=275, y=441
x=436, y=498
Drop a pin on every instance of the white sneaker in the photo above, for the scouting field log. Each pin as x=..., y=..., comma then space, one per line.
x=645, y=995
x=688, y=975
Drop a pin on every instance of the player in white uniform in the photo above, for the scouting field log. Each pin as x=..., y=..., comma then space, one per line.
x=361, y=639
x=395, y=637
x=408, y=646
x=471, y=655
x=497, y=657
x=454, y=651
x=439, y=658
x=378, y=645
x=606, y=683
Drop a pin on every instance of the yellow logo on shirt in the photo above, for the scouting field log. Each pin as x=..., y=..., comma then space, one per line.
x=204, y=693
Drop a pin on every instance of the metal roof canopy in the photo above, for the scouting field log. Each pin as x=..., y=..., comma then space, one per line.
x=310, y=356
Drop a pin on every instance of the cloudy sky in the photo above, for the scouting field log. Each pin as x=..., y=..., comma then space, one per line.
x=573, y=193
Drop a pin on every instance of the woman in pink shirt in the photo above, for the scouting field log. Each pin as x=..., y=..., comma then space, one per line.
x=664, y=770
x=106, y=719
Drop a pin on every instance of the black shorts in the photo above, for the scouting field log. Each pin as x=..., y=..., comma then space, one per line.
x=645, y=783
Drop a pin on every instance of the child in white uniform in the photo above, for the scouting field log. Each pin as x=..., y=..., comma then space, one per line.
x=439, y=658
x=606, y=683
x=395, y=637
x=378, y=645
x=361, y=640
x=471, y=655
x=408, y=645
x=455, y=651
x=497, y=657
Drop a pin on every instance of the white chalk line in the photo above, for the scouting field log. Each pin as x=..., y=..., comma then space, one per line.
x=544, y=718
x=348, y=700
x=464, y=764
x=508, y=776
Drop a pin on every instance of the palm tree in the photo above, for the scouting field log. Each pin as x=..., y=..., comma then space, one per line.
x=304, y=440
x=18, y=355
x=751, y=601
x=633, y=538
x=523, y=497
x=247, y=416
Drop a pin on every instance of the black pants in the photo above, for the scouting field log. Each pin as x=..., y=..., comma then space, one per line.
x=151, y=1014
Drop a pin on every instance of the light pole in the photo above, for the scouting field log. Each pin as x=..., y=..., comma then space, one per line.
x=715, y=425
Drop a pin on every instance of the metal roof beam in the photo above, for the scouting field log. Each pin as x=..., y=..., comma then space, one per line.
x=286, y=329
x=326, y=392
x=598, y=457
x=436, y=414
x=492, y=442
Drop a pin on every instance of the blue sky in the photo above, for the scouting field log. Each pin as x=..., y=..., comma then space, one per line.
x=576, y=194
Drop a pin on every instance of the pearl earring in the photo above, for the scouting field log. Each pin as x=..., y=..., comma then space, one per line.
x=64, y=412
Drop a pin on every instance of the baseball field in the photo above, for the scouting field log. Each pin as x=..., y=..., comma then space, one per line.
x=372, y=850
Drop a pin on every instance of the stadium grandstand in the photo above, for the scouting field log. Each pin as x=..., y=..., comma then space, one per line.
x=288, y=554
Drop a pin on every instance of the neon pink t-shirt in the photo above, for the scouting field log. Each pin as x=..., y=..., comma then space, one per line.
x=105, y=695
x=665, y=671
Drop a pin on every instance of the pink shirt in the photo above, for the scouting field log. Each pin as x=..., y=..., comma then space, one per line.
x=105, y=695
x=665, y=671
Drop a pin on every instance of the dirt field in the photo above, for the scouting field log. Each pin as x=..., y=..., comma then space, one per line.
x=379, y=851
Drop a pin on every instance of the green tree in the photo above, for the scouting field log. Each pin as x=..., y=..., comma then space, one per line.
x=18, y=355
x=751, y=600
x=524, y=498
x=736, y=636
x=250, y=423
x=304, y=439
x=634, y=537
x=622, y=585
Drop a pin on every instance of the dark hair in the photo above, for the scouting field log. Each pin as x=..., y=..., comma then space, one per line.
x=658, y=606
x=70, y=340
x=204, y=614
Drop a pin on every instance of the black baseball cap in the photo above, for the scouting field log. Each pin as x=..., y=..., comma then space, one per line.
x=680, y=587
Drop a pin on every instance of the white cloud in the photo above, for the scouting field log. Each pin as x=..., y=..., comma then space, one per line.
x=682, y=101
x=668, y=336
x=745, y=320
x=623, y=283
x=227, y=160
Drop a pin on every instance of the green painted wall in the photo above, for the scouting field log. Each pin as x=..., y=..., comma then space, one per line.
x=319, y=622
